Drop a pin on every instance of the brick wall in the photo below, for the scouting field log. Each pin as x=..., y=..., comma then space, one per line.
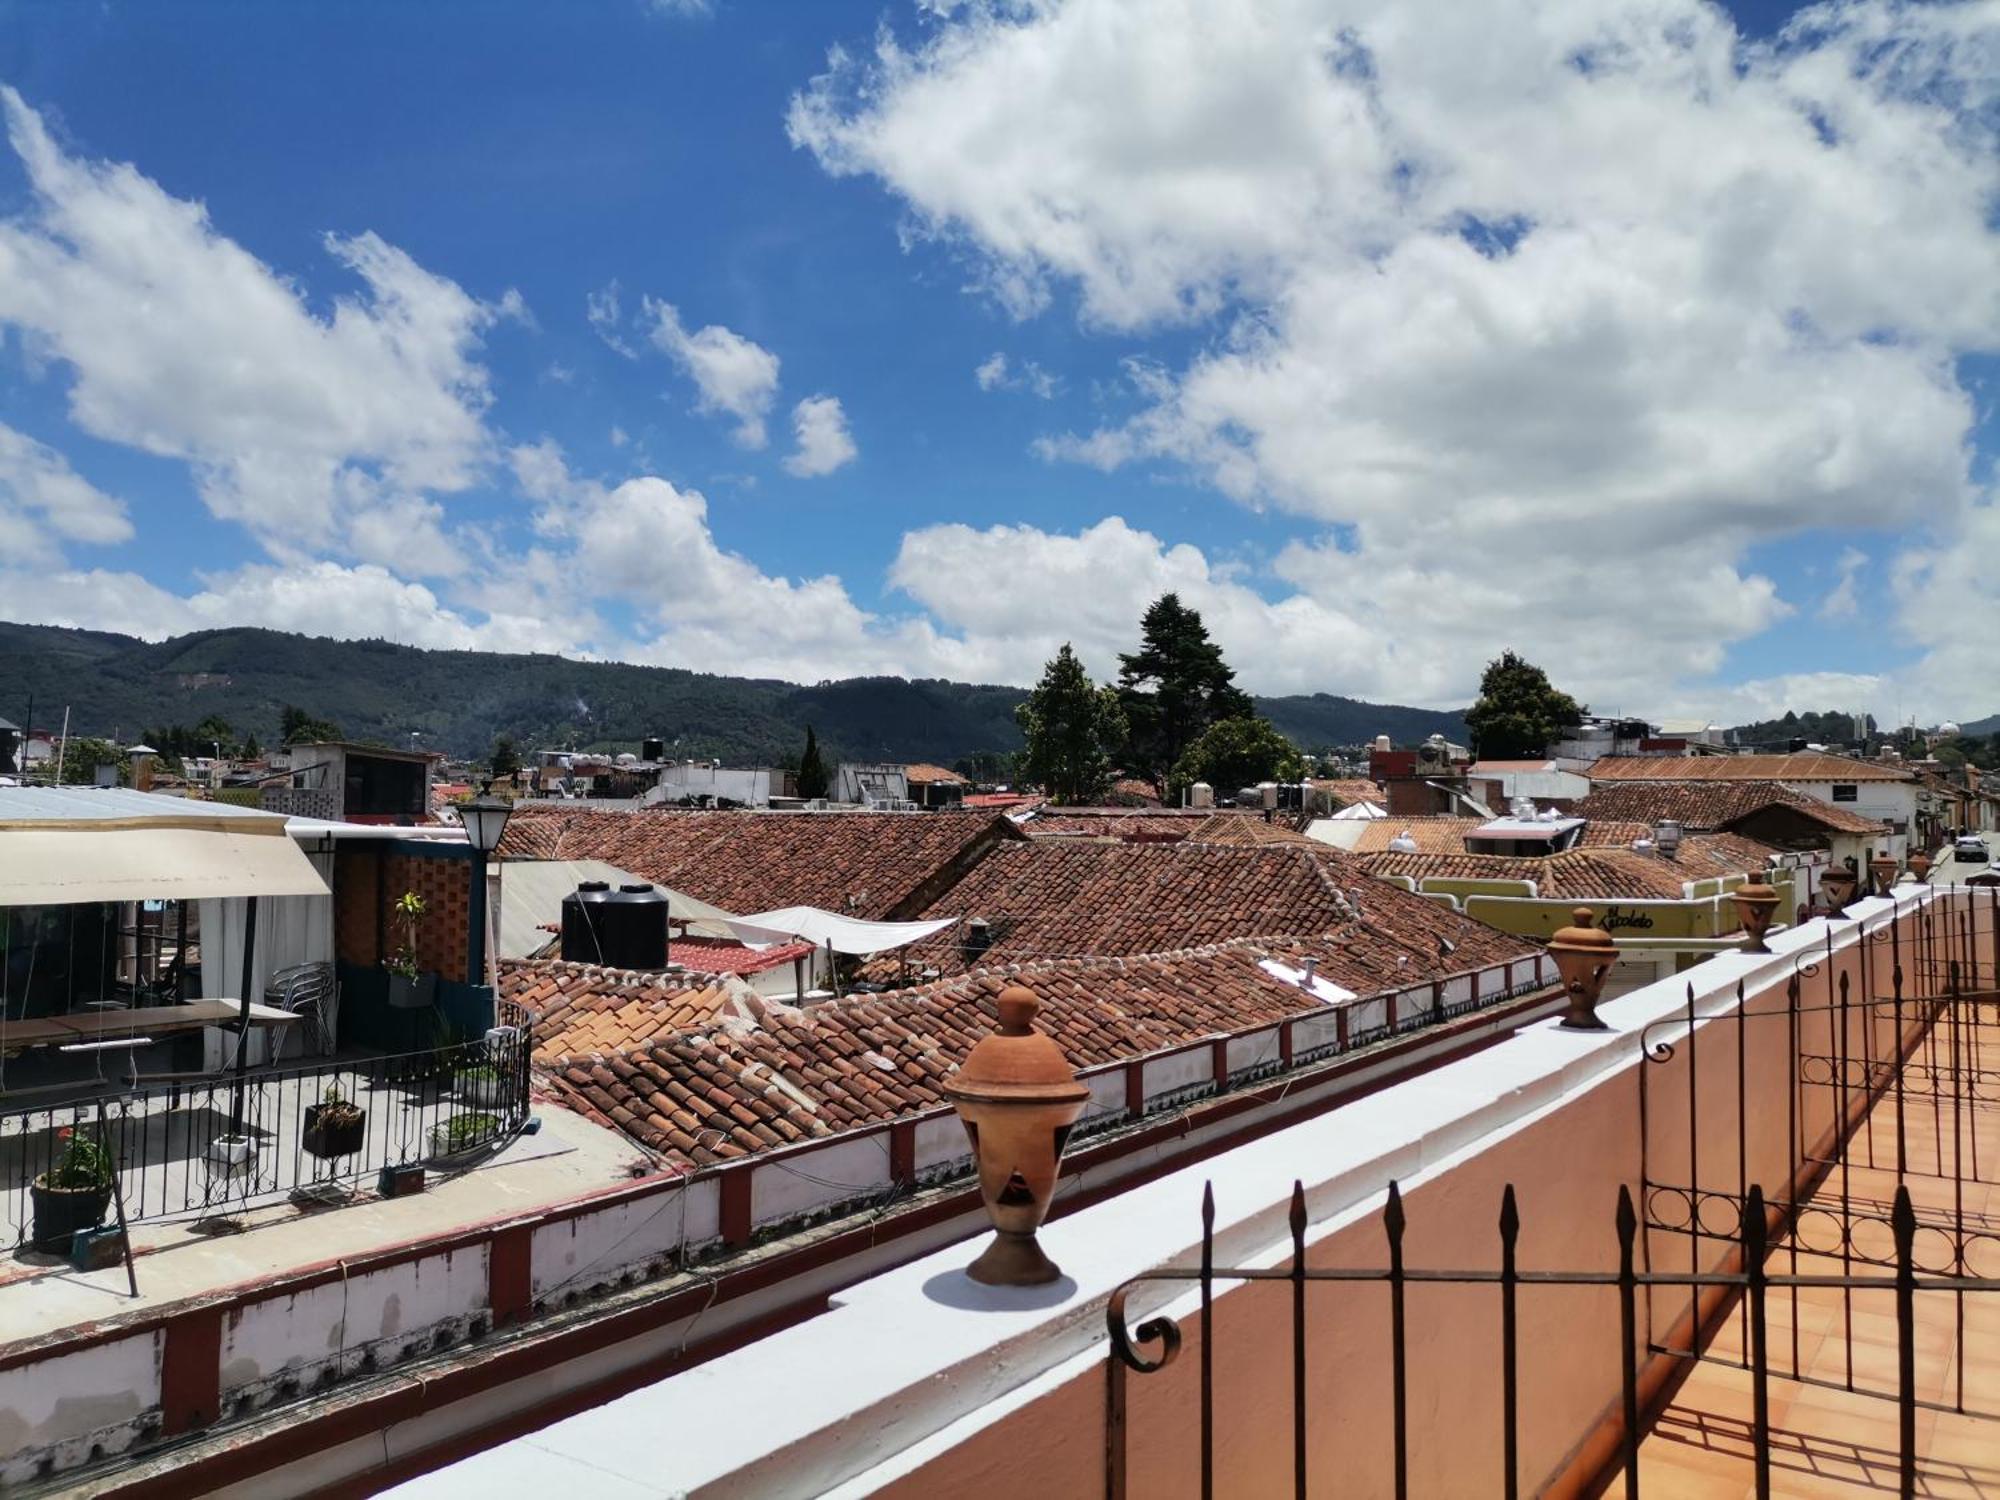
x=369, y=880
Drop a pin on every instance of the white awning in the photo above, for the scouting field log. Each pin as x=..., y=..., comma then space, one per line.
x=825, y=929
x=44, y=863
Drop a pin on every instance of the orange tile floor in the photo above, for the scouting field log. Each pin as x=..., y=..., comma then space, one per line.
x=1828, y=1439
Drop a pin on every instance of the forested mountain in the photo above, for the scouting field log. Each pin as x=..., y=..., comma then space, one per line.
x=461, y=701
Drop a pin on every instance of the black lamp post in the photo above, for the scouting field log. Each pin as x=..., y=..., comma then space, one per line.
x=485, y=820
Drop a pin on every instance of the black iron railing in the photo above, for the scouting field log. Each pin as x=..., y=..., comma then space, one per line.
x=1156, y=1342
x=205, y=1148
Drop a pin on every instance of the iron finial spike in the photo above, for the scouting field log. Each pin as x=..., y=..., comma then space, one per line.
x=1903, y=1220
x=1628, y=1221
x=1392, y=1212
x=1298, y=1214
x=1207, y=1206
x=1510, y=1216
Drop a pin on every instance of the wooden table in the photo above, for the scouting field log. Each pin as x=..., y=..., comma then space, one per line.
x=148, y=1020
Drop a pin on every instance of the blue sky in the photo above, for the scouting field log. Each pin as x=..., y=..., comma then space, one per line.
x=1181, y=370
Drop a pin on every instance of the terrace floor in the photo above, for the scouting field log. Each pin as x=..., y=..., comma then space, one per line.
x=1836, y=1432
x=567, y=1158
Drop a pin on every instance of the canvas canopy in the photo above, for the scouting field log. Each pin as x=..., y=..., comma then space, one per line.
x=59, y=846
x=825, y=929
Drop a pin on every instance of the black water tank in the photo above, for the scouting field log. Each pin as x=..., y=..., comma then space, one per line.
x=653, y=750
x=621, y=929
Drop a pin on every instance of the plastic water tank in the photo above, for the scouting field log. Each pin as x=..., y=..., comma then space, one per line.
x=621, y=929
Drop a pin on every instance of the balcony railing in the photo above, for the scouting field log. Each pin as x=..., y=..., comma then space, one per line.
x=212, y=1148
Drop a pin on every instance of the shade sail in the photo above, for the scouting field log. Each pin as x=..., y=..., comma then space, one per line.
x=193, y=858
x=825, y=929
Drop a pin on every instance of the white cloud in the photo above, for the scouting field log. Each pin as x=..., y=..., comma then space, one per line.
x=819, y=427
x=1552, y=311
x=178, y=342
x=44, y=502
x=681, y=10
x=1842, y=601
x=734, y=375
x=994, y=374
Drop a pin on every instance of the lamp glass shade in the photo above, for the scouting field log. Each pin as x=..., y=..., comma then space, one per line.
x=485, y=820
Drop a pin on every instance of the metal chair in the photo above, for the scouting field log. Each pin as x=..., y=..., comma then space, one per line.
x=307, y=991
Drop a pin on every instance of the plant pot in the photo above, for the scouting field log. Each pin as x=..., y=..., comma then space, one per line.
x=486, y=1092
x=466, y=1137
x=340, y=1138
x=407, y=993
x=61, y=1212
x=231, y=1156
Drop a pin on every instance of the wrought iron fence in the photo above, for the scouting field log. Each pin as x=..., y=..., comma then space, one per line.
x=1156, y=1342
x=214, y=1146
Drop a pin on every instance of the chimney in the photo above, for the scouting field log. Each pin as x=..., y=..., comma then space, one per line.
x=978, y=938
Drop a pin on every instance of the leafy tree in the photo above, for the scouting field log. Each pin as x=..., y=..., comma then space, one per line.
x=250, y=748
x=82, y=756
x=297, y=727
x=506, y=760
x=814, y=780
x=1072, y=726
x=1172, y=688
x=1518, y=712
x=1235, y=753
x=212, y=734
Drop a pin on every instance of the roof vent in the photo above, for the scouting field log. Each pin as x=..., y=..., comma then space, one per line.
x=1402, y=843
x=978, y=938
x=1667, y=837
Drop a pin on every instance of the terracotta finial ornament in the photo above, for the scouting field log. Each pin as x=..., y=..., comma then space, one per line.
x=1756, y=904
x=1018, y=1097
x=1883, y=867
x=1584, y=955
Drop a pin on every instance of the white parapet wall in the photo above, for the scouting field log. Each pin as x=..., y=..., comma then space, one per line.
x=925, y=1383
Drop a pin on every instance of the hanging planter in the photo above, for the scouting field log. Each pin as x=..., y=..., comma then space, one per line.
x=334, y=1127
x=230, y=1157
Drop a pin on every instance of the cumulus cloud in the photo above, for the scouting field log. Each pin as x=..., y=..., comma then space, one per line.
x=995, y=374
x=732, y=374
x=1547, y=314
x=180, y=343
x=823, y=443
x=1842, y=601
x=44, y=502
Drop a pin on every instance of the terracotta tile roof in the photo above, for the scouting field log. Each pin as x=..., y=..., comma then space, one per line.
x=1350, y=791
x=1705, y=805
x=873, y=865
x=1591, y=873
x=1115, y=822
x=581, y=1008
x=928, y=774
x=1806, y=765
x=1002, y=801
x=1247, y=828
x=1446, y=835
x=1130, y=791
x=740, y=1087
x=714, y=956
x=1055, y=898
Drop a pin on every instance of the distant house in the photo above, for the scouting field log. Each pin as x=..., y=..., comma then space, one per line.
x=934, y=786
x=344, y=782
x=871, y=784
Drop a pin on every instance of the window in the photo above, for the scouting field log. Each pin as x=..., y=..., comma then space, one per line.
x=1845, y=791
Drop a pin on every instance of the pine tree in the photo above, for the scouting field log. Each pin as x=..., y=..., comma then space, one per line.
x=1072, y=726
x=1172, y=688
x=506, y=760
x=1518, y=712
x=813, y=778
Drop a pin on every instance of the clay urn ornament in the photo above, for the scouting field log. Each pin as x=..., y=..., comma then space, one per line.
x=1584, y=955
x=1756, y=904
x=1883, y=867
x=1920, y=866
x=1836, y=888
x=1018, y=1097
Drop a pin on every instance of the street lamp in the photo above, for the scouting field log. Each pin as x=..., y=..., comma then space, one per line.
x=485, y=820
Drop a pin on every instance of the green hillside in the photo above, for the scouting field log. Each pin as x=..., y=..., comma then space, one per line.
x=460, y=701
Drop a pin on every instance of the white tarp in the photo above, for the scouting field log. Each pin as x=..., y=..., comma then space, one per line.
x=825, y=929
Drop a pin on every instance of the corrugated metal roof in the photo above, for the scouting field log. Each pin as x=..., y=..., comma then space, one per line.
x=87, y=804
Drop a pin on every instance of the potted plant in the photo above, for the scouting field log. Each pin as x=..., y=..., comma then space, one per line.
x=486, y=1083
x=463, y=1135
x=409, y=987
x=335, y=1126
x=75, y=1191
x=231, y=1156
